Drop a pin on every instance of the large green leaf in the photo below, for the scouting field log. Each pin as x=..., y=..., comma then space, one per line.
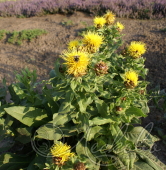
x=140, y=134
x=133, y=111
x=9, y=161
x=29, y=116
x=142, y=166
x=151, y=160
x=100, y=121
x=60, y=119
x=120, y=141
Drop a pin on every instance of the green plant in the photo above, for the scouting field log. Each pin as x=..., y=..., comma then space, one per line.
x=2, y=34
x=91, y=102
x=19, y=37
x=67, y=22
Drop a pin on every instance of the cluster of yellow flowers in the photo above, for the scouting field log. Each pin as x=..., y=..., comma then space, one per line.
x=107, y=19
x=79, y=53
x=78, y=56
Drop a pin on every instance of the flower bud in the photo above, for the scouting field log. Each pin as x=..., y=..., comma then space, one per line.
x=101, y=68
x=79, y=166
x=118, y=108
x=57, y=161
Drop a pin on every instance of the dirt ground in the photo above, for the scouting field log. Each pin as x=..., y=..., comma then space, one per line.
x=41, y=53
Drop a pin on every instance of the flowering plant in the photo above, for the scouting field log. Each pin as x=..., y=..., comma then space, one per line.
x=97, y=96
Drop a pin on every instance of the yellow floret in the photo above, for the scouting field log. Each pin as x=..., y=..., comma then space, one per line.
x=61, y=151
x=120, y=26
x=73, y=44
x=76, y=61
x=136, y=49
x=92, y=41
x=131, y=79
x=110, y=17
x=99, y=22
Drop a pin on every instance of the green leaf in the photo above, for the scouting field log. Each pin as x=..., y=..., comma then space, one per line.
x=56, y=68
x=100, y=121
x=142, y=165
x=133, y=111
x=29, y=116
x=150, y=159
x=83, y=101
x=24, y=135
x=93, y=130
x=46, y=132
x=53, y=104
x=61, y=119
x=120, y=140
x=37, y=163
x=82, y=150
x=140, y=134
x=9, y=161
x=66, y=106
x=84, y=121
x=73, y=84
x=101, y=107
x=13, y=94
x=3, y=92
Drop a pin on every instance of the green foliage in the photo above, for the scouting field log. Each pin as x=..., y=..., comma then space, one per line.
x=67, y=22
x=2, y=34
x=17, y=37
x=28, y=35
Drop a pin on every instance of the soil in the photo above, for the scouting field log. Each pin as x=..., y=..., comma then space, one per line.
x=41, y=53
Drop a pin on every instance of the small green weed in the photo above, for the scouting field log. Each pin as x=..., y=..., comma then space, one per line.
x=18, y=37
x=2, y=34
x=163, y=30
x=67, y=22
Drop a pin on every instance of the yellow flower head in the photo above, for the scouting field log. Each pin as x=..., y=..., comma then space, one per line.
x=73, y=44
x=131, y=79
x=110, y=17
x=99, y=22
x=136, y=49
x=77, y=62
x=92, y=41
x=61, y=151
x=119, y=26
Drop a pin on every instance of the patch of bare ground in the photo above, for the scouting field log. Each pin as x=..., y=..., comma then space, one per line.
x=41, y=53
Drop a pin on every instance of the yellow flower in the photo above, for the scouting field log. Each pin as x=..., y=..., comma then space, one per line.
x=110, y=17
x=73, y=44
x=131, y=79
x=61, y=152
x=136, y=49
x=92, y=41
x=77, y=62
x=99, y=22
x=119, y=26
